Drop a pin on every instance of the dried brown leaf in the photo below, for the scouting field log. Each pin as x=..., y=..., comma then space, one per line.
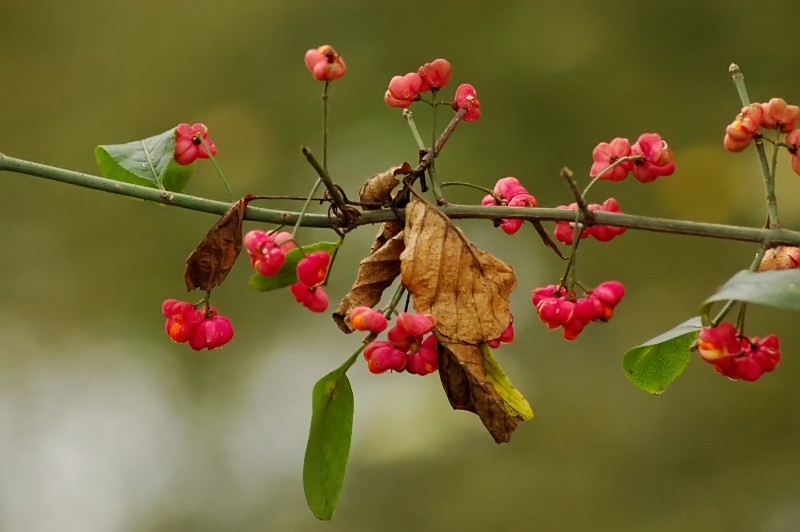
x=387, y=231
x=213, y=258
x=469, y=300
x=378, y=188
x=375, y=273
x=467, y=387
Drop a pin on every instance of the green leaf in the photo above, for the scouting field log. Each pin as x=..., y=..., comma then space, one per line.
x=513, y=401
x=147, y=162
x=653, y=365
x=287, y=275
x=328, y=443
x=777, y=288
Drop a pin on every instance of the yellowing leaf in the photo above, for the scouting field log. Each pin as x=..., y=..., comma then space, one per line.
x=514, y=402
x=468, y=386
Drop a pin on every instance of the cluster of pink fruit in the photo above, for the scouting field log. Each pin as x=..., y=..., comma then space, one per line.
x=564, y=231
x=202, y=329
x=267, y=253
x=406, y=347
x=737, y=356
x=775, y=114
x=649, y=158
x=431, y=77
x=509, y=192
x=559, y=307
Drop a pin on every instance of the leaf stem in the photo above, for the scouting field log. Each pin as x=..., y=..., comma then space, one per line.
x=730, y=303
x=219, y=170
x=469, y=185
x=303, y=210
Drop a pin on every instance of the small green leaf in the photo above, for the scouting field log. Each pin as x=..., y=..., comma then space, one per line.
x=653, y=365
x=777, y=288
x=328, y=443
x=145, y=162
x=513, y=401
x=287, y=275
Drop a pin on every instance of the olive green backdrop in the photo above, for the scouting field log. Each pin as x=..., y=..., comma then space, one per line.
x=105, y=425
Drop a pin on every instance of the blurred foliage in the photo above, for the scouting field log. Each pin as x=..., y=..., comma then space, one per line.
x=106, y=425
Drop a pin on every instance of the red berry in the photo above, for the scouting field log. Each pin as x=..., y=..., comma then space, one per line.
x=381, y=357
x=424, y=361
x=313, y=298
x=434, y=75
x=325, y=64
x=467, y=98
x=312, y=268
x=367, y=319
x=189, y=147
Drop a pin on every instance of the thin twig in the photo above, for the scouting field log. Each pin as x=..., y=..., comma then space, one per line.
x=333, y=191
x=768, y=237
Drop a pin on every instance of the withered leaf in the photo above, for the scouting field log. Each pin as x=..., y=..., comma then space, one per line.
x=469, y=300
x=469, y=387
x=376, y=272
x=386, y=232
x=377, y=189
x=213, y=258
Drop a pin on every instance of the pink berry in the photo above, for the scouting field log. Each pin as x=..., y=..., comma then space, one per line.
x=367, y=319
x=607, y=153
x=425, y=360
x=312, y=269
x=506, y=338
x=718, y=342
x=382, y=356
x=313, y=298
x=325, y=64
x=403, y=90
x=434, y=75
x=780, y=115
x=657, y=159
x=467, y=98
x=189, y=143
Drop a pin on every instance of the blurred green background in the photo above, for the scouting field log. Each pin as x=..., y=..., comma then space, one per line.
x=105, y=425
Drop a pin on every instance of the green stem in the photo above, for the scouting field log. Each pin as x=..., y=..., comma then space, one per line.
x=412, y=125
x=333, y=259
x=769, y=237
x=398, y=294
x=325, y=127
x=468, y=185
x=730, y=303
x=613, y=165
x=303, y=210
x=437, y=190
x=769, y=176
x=219, y=170
x=334, y=192
x=738, y=82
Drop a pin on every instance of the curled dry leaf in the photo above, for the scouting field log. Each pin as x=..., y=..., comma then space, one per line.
x=469, y=386
x=378, y=188
x=469, y=300
x=213, y=258
x=375, y=273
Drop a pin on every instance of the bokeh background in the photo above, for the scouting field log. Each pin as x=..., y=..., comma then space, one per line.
x=105, y=425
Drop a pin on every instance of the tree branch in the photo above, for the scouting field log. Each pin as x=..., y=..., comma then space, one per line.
x=769, y=237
